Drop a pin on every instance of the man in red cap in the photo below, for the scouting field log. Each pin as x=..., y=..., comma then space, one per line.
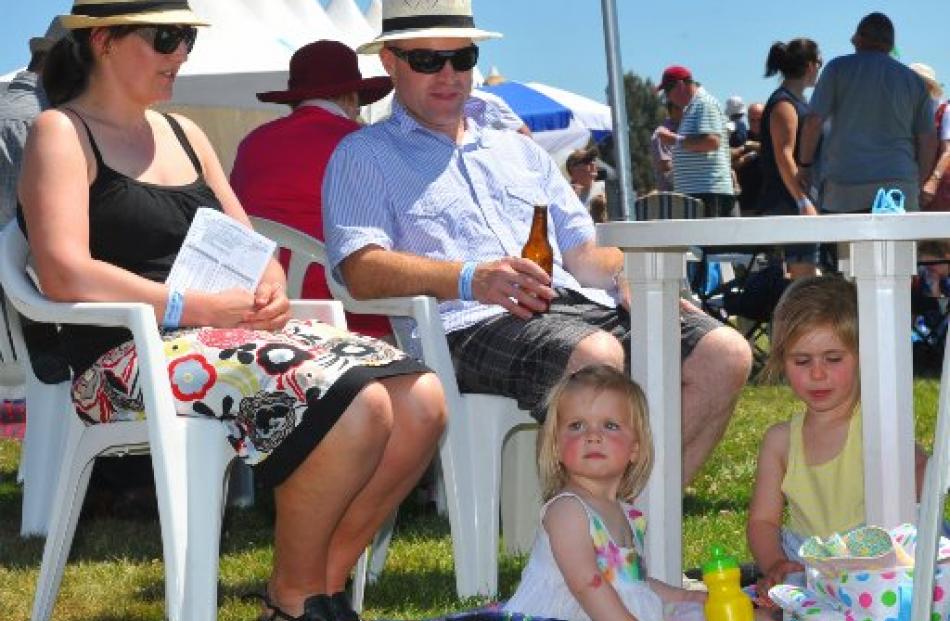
x=701, y=157
x=279, y=168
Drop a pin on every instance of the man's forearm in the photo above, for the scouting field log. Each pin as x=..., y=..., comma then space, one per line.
x=700, y=143
x=377, y=273
x=594, y=266
x=927, y=146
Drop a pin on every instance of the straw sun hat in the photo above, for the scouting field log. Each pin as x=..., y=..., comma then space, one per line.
x=929, y=76
x=418, y=19
x=96, y=13
x=45, y=43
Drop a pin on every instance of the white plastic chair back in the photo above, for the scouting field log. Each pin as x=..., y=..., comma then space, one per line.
x=471, y=449
x=12, y=376
x=668, y=206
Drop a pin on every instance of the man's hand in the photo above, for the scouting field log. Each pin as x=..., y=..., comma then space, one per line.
x=667, y=136
x=516, y=284
x=928, y=191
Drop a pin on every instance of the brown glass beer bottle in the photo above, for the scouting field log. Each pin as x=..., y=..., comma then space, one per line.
x=538, y=248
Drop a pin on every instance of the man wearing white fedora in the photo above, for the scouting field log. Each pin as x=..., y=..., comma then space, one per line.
x=435, y=201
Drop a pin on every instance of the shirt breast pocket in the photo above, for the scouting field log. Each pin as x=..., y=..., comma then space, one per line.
x=434, y=216
x=520, y=201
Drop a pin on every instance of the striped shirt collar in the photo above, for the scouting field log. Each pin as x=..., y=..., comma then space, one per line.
x=474, y=114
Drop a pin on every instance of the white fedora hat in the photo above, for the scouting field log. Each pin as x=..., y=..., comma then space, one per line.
x=419, y=19
x=97, y=13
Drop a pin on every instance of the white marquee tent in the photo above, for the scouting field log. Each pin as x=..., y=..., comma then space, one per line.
x=247, y=50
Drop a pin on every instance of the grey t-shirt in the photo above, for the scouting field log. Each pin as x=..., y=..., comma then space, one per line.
x=876, y=107
x=22, y=100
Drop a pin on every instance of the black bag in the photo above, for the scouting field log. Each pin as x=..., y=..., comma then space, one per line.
x=757, y=296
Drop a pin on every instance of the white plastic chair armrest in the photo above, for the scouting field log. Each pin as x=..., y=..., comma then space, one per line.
x=327, y=311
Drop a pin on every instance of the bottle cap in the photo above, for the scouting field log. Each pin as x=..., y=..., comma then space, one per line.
x=719, y=560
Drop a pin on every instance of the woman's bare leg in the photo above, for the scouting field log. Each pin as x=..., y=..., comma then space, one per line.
x=311, y=502
x=418, y=421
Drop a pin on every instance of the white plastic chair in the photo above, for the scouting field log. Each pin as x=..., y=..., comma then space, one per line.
x=190, y=456
x=932, y=500
x=668, y=206
x=470, y=453
x=12, y=376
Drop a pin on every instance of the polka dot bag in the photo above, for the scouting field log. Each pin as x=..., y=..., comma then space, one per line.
x=854, y=586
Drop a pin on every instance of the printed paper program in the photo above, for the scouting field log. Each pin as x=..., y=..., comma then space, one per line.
x=220, y=253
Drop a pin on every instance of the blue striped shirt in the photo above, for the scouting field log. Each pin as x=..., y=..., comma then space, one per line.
x=708, y=172
x=401, y=186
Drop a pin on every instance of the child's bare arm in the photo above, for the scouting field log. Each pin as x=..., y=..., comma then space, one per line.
x=670, y=594
x=567, y=526
x=763, y=530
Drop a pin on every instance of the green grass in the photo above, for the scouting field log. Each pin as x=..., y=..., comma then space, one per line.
x=115, y=569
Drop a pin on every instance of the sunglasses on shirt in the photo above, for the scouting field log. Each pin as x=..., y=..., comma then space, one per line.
x=432, y=61
x=166, y=39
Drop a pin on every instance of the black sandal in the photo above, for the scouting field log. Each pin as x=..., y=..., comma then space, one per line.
x=342, y=609
x=315, y=608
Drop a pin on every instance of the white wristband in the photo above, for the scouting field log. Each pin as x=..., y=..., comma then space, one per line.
x=802, y=203
x=679, y=140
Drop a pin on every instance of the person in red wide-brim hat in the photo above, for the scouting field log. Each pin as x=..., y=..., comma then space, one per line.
x=279, y=167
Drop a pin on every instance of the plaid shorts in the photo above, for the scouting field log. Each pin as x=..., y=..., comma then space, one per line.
x=512, y=357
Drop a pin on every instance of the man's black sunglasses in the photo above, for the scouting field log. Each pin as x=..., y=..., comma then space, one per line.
x=166, y=39
x=432, y=61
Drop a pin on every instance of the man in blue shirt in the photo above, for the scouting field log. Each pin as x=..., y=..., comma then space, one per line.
x=436, y=201
x=881, y=125
x=20, y=103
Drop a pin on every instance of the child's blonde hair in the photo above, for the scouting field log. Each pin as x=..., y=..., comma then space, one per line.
x=809, y=303
x=599, y=378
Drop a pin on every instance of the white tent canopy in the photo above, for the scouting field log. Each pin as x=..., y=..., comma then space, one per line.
x=246, y=51
x=374, y=15
x=347, y=17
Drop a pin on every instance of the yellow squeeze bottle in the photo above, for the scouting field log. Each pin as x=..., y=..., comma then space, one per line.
x=726, y=601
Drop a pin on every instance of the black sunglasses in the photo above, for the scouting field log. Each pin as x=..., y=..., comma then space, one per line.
x=432, y=61
x=166, y=39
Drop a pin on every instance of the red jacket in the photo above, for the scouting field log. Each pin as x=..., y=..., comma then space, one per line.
x=278, y=175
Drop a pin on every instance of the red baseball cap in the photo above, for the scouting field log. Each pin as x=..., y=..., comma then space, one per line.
x=673, y=73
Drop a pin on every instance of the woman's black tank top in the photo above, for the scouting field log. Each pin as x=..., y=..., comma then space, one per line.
x=137, y=226
x=774, y=197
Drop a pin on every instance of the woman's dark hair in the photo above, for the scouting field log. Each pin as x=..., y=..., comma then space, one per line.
x=792, y=58
x=67, y=69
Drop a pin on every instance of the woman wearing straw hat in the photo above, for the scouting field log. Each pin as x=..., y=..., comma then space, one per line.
x=340, y=425
x=935, y=192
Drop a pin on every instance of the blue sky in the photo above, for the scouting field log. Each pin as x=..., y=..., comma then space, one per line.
x=560, y=42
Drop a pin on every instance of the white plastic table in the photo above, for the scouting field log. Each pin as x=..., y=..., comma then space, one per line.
x=881, y=261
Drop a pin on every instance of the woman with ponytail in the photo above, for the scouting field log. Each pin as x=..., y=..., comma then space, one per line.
x=798, y=61
x=341, y=426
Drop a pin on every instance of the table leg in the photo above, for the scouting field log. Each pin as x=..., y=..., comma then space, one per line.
x=655, y=280
x=882, y=271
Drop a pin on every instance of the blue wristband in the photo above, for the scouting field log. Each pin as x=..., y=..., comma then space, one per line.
x=173, y=309
x=465, y=281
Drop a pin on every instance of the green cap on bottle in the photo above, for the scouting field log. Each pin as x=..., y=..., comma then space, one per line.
x=719, y=560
